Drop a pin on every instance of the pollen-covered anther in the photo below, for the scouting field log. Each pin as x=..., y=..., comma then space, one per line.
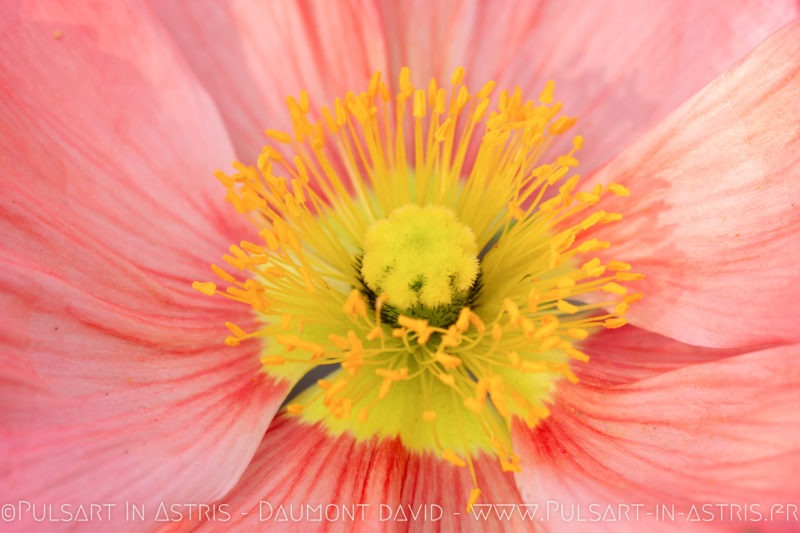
x=446, y=360
x=390, y=376
x=536, y=412
x=207, y=288
x=474, y=494
x=577, y=354
x=619, y=190
x=293, y=342
x=613, y=323
x=353, y=357
x=549, y=324
x=566, y=307
x=447, y=379
x=577, y=333
x=514, y=315
x=394, y=375
x=497, y=331
x=451, y=457
x=355, y=305
x=238, y=334
x=418, y=326
x=516, y=212
x=294, y=408
x=451, y=338
x=475, y=405
x=549, y=343
x=618, y=266
x=593, y=268
x=629, y=276
x=462, y=324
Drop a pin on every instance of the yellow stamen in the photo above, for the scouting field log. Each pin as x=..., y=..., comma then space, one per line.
x=473, y=498
x=207, y=288
x=452, y=458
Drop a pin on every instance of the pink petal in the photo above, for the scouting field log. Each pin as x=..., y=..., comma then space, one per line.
x=206, y=33
x=252, y=55
x=720, y=432
x=299, y=465
x=625, y=355
x=116, y=130
x=114, y=382
x=712, y=219
x=619, y=66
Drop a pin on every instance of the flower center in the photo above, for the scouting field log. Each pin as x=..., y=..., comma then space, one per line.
x=423, y=261
x=434, y=347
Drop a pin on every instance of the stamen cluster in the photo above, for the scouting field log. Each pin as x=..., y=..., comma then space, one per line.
x=345, y=271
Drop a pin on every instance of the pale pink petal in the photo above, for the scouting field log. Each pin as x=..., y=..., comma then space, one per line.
x=712, y=219
x=121, y=147
x=719, y=432
x=326, y=48
x=619, y=66
x=379, y=482
x=252, y=55
x=114, y=382
x=207, y=34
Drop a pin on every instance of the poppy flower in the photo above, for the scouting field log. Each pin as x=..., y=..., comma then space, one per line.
x=123, y=401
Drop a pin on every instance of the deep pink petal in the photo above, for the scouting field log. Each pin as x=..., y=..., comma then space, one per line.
x=299, y=465
x=99, y=401
x=625, y=355
x=114, y=382
x=720, y=432
x=712, y=219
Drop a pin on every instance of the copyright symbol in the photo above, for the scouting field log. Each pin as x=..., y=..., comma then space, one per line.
x=8, y=513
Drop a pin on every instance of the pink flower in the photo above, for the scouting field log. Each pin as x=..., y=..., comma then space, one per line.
x=117, y=390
